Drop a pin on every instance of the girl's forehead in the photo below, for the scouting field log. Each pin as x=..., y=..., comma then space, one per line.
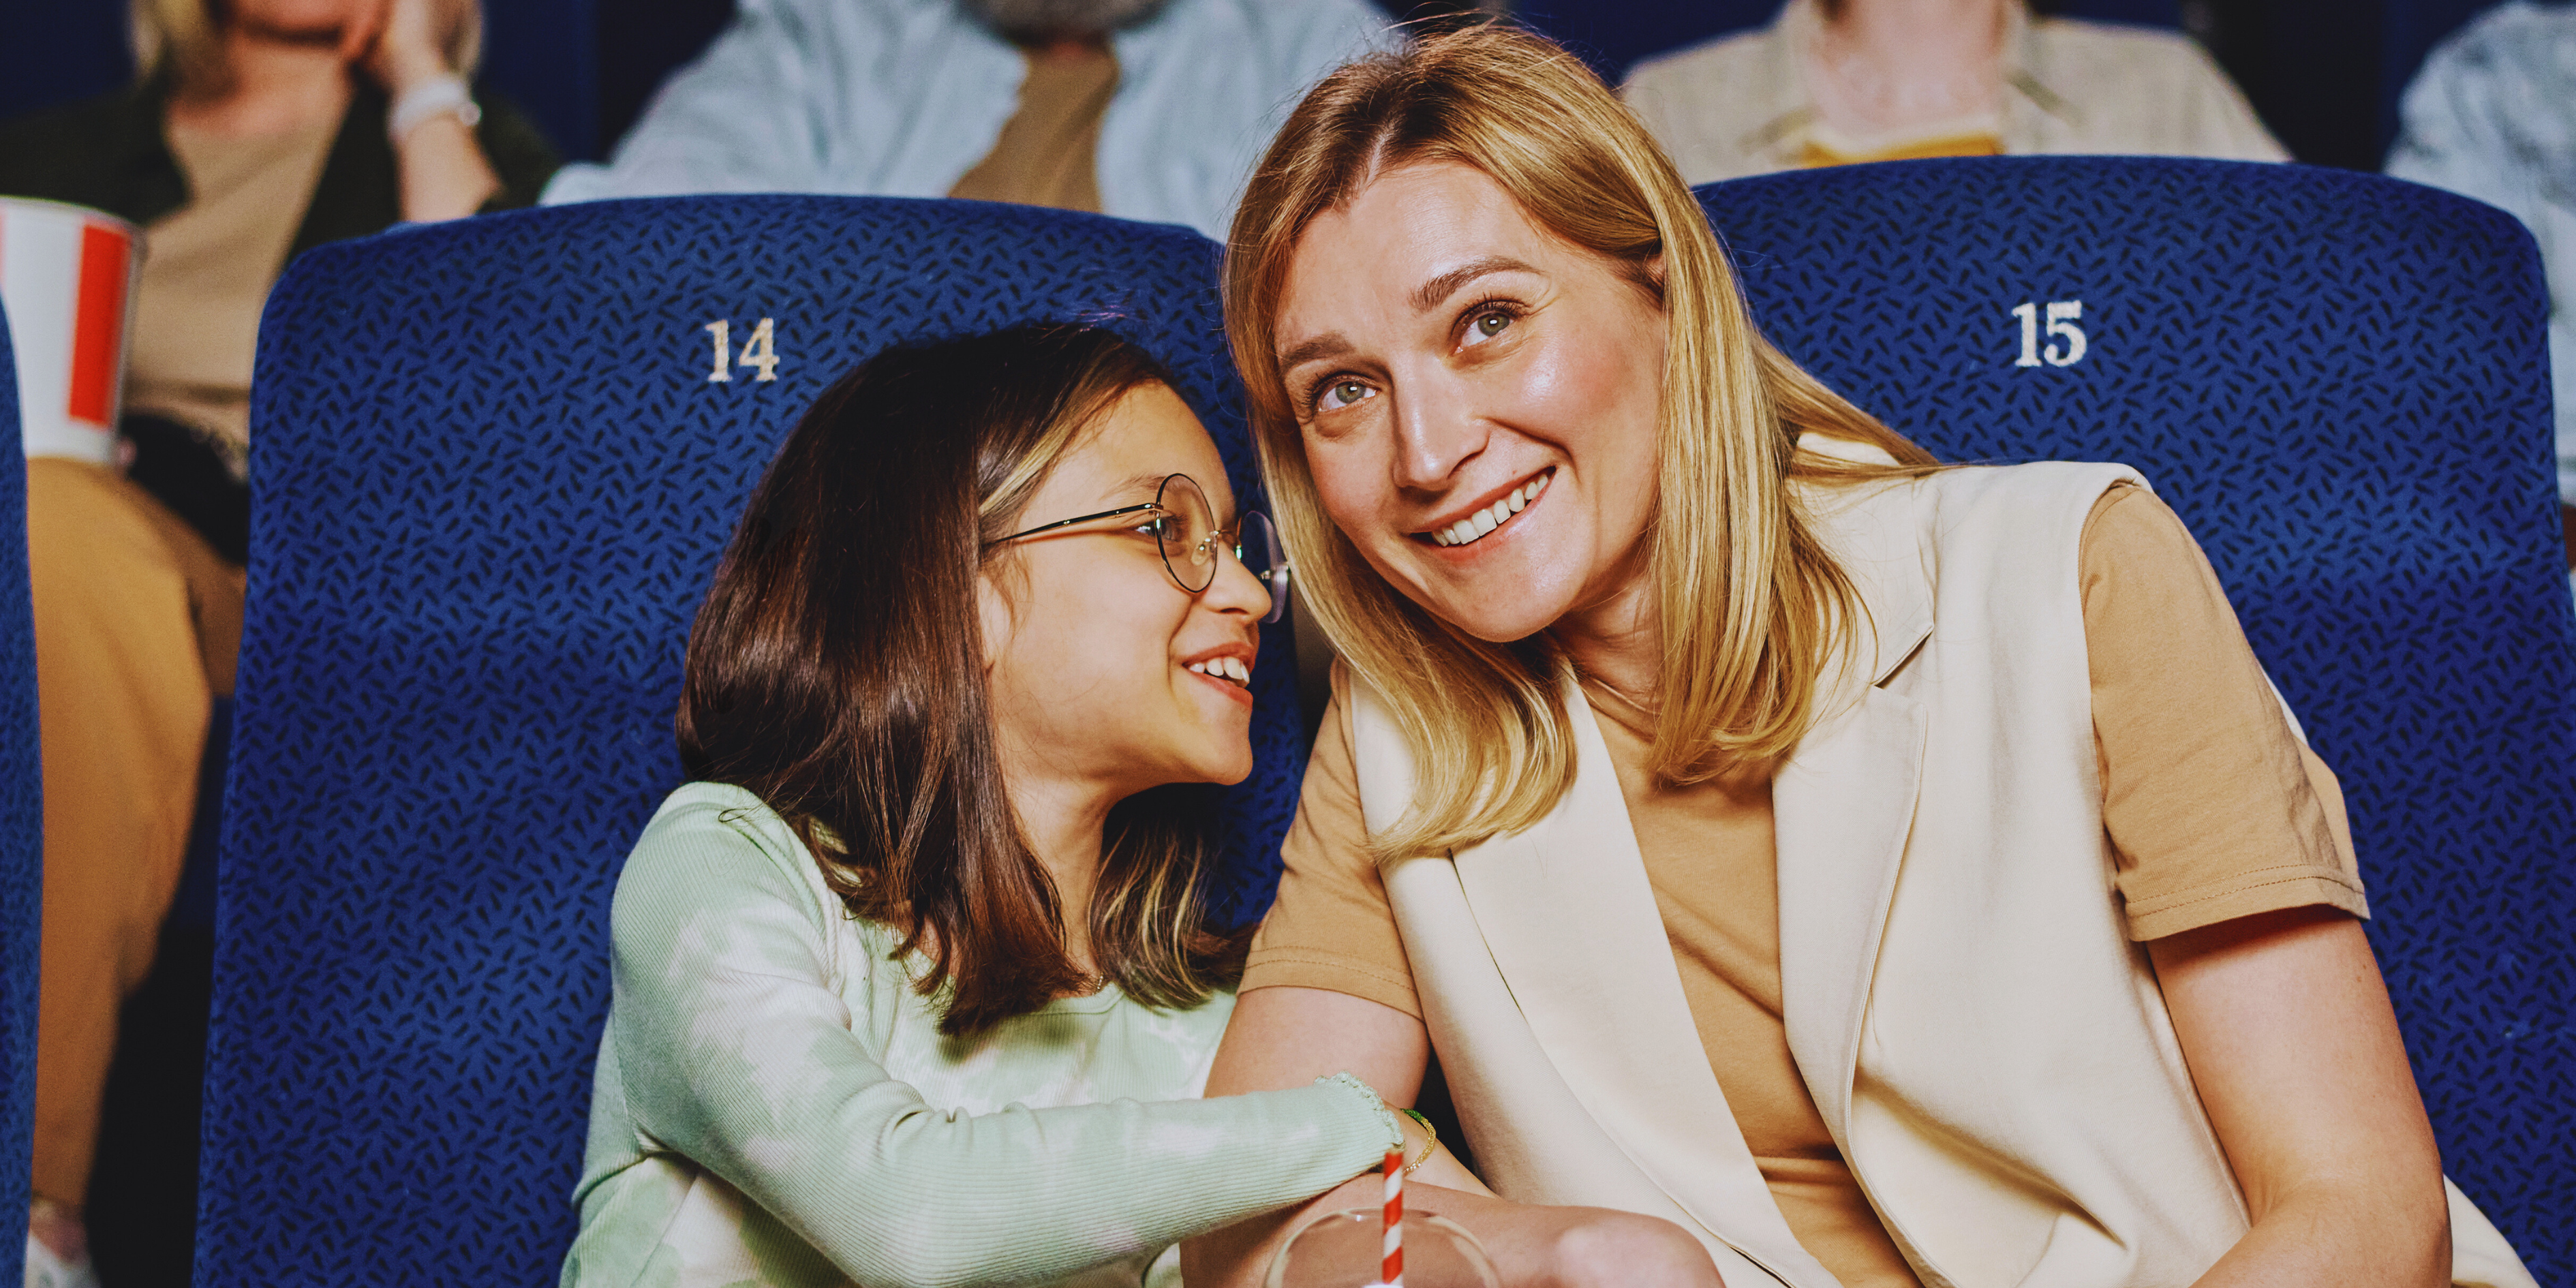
x=1151, y=433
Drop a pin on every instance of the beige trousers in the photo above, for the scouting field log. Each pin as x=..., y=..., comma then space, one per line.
x=138, y=623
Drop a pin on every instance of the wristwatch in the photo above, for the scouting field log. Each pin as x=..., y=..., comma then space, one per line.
x=439, y=96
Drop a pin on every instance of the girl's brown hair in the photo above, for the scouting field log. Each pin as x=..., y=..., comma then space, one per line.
x=836, y=672
x=1752, y=608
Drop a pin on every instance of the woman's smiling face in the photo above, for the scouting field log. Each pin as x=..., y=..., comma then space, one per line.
x=1479, y=399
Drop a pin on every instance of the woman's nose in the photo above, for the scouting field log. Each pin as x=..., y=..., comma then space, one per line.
x=1435, y=433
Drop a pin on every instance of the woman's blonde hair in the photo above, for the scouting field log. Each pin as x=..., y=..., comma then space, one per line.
x=1752, y=608
x=181, y=38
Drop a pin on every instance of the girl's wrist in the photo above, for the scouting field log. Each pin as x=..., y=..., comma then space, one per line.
x=1389, y=1123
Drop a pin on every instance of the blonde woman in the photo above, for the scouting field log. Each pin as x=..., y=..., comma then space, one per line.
x=1891, y=875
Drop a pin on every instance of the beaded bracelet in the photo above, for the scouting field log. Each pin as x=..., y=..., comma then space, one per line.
x=1429, y=1147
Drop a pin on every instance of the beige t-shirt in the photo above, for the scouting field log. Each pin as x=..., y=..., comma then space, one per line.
x=207, y=267
x=2213, y=807
x=1048, y=152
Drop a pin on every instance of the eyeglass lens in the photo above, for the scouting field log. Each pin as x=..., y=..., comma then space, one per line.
x=1188, y=527
x=1189, y=541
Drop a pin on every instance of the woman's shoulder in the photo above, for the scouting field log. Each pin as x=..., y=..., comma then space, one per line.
x=103, y=152
x=2105, y=62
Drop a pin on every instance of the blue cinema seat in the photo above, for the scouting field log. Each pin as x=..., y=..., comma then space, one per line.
x=494, y=480
x=22, y=824
x=2340, y=382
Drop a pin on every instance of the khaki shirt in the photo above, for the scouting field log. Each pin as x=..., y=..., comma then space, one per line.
x=1740, y=105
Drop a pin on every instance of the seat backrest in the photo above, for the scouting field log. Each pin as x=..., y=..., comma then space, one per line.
x=1614, y=36
x=495, y=476
x=2339, y=381
x=22, y=825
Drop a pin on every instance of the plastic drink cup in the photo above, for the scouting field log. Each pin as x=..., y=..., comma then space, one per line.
x=67, y=283
x=1346, y=1250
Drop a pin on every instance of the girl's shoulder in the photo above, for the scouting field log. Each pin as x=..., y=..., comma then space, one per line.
x=715, y=846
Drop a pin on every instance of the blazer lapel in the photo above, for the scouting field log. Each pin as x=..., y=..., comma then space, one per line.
x=1572, y=924
x=1842, y=809
x=1843, y=805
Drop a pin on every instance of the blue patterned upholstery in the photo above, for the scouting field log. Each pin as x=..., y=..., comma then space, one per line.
x=2339, y=382
x=22, y=823
x=494, y=479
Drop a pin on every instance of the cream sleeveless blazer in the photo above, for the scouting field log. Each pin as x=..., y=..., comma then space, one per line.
x=1989, y=1050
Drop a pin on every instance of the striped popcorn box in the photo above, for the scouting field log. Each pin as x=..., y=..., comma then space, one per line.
x=67, y=281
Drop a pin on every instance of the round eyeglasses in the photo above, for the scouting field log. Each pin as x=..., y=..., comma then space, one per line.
x=1184, y=525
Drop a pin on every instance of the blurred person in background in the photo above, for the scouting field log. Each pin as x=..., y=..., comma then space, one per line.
x=2493, y=116
x=1144, y=109
x=256, y=129
x=1834, y=82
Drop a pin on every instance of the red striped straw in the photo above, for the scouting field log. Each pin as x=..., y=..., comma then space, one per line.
x=1391, y=1271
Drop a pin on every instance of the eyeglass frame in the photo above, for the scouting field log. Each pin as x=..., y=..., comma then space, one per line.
x=1274, y=581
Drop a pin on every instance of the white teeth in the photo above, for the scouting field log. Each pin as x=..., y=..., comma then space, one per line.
x=1486, y=520
x=1235, y=670
x=1200, y=667
x=1224, y=668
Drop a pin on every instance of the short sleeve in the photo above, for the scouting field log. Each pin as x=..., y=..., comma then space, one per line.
x=2215, y=807
x=1331, y=926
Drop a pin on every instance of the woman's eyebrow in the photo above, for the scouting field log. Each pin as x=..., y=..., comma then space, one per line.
x=1431, y=294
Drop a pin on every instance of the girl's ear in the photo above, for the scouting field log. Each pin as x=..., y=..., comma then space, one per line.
x=992, y=618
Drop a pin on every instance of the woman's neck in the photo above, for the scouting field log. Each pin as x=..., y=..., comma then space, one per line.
x=1882, y=64
x=1618, y=641
x=273, y=84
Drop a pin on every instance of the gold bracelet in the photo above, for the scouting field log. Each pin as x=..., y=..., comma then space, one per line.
x=1429, y=1147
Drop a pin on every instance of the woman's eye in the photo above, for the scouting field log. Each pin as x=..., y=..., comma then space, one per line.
x=1342, y=393
x=1487, y=325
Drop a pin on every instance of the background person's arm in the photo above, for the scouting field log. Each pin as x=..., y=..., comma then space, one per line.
x=444, y=172
x=2287, y=1029
x=1278, y=1033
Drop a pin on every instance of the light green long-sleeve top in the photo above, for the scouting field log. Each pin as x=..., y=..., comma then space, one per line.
x=775, y=1106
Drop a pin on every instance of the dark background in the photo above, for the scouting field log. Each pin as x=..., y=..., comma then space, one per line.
x=2325, y=74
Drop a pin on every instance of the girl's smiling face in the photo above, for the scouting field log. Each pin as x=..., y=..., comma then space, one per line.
x=1102, y=669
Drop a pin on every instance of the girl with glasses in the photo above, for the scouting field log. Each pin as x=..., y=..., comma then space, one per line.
x=917, y=982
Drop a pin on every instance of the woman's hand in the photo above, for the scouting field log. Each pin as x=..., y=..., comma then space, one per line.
x=404, y=42
x=2292, y=1046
